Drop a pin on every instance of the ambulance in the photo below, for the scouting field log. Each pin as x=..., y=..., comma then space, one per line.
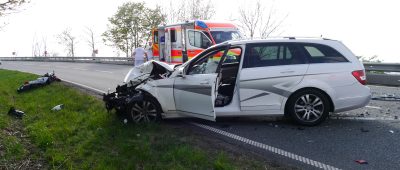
x=178, y=43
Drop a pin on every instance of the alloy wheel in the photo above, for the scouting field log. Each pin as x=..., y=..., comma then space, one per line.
x=145, y=111
x=309, y=108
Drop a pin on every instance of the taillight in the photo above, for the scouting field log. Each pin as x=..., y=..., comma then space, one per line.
x=360, y=76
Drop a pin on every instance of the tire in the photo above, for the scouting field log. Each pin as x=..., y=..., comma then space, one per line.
x=308, y=107
x=147, y=111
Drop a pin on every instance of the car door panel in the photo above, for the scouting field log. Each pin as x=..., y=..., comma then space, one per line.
x=194, y=95
x=266, y=91
x=269, y=72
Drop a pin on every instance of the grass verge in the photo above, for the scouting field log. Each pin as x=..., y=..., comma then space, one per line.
x=84, y=136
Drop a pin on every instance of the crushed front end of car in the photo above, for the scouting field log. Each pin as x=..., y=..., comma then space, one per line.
x=127, y=95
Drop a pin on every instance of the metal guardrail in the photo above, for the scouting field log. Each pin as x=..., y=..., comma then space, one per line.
x=109, y=60
x=375, y=71
x=385, y=67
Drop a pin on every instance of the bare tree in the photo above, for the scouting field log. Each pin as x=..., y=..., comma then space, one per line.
x=36, y=47
x=188, y=10
x=68, y=40
x=44, y=42
x=250, y=18
x=91, y=40
x=258, y=20
x=10, y=5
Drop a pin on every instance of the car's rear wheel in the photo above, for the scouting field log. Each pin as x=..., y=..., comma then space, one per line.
x=147, y=110
x=309, y=107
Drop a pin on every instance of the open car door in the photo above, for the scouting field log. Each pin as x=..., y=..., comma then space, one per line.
x=194, y=90
x=194, y=95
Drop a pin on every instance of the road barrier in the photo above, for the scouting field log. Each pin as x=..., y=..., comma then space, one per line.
x=106, y=60
x=377, y=73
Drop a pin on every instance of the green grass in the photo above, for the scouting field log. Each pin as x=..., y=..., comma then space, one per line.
x=84, y=136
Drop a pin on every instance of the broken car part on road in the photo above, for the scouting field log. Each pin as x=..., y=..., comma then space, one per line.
x=46, y=79
x=16, y=113
x=386, y=98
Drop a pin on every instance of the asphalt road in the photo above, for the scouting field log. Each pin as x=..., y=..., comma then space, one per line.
x=371, y=133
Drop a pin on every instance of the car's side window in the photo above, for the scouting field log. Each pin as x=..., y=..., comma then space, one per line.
x=272, y=54
x=318, y=53
x=207, y=64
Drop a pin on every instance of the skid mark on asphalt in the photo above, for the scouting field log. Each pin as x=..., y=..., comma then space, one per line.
x=268, y=148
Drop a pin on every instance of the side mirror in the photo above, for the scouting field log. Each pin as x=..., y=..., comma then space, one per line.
x=181, y=73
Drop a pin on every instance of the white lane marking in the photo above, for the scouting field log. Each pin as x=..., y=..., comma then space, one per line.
x=85, y=86
x=76, y=68
x=28, y=64
x=373, y=107
x=103, y=71
x=268, y=148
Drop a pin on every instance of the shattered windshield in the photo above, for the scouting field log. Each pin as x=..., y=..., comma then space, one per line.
x=222, y=36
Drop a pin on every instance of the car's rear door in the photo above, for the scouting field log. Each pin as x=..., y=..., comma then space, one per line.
x=268, y=73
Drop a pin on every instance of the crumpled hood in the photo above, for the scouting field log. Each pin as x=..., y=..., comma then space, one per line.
x=144, y=70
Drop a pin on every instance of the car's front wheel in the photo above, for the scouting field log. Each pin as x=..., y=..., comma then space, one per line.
x=147, y=110
x=308, y=107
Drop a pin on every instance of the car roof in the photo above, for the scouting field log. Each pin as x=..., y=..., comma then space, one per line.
x=281, y=39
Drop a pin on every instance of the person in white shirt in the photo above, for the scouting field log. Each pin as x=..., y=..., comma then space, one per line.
x=139, y=55
x=149, y=51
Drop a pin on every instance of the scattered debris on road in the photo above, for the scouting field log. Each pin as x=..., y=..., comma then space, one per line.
x=386, y=97
x=391, y=131
x=301, y=128
x=361, y=161
x=58, y=107
x=364, y=130
x=16, y=113
x=46, y=79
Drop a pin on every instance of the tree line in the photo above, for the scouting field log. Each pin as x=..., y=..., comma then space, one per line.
x=131, y=25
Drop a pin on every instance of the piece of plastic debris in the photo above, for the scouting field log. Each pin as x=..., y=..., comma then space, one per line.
x=125, y=121
x=58, y=107
x=361, y=161
x=396, y=117
x=16, y=113
x=301, y=128
x=391, y=131
x=138, y=135
x=364, y=130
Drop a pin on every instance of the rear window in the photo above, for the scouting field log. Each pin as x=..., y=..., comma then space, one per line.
x=272, y=54
x=318, y=53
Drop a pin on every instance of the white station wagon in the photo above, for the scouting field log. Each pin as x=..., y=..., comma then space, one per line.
x=303, y=79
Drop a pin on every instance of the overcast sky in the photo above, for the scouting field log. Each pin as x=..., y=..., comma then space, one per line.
x=367, y=27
